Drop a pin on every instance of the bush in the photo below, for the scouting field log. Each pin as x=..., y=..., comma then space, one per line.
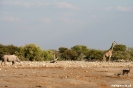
x=121, y=55
x=120, y=47
x=32, y=52
x=8, y=50
x=81, y=51
x=48, y=55
x=94, y=55
x=70, y=55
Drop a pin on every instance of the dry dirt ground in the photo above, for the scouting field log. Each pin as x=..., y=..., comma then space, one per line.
x=67, y=74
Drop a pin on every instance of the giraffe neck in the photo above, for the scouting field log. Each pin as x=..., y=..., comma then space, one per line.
x=111, y=48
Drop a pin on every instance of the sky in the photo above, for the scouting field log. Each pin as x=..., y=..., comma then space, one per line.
x=51, y=24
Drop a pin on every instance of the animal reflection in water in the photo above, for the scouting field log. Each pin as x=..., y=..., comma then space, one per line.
x=10, y=58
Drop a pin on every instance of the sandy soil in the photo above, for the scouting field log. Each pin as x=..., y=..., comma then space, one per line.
x=75, y=74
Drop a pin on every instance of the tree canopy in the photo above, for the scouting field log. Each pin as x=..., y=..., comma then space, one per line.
x=32, y=52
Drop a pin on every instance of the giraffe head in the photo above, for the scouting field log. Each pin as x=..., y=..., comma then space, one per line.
x=114, y=43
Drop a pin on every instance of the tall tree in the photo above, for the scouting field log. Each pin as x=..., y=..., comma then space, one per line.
x=120, y=47
x=33, y=52
x=62, y=52
x=81, y=51
x=48, y=55
x=70, y=55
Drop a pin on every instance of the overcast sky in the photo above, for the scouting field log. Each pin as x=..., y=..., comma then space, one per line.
x=51, y=24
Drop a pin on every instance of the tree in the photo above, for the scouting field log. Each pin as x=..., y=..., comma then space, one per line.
x=62, y=49
x=48, y=55
x=62, y=52
x=12, y=49
x=81, y=57
x=121, y=55
x=130, y=49
x=8, y=49
x=70, y=55
x=94, y=54
x=81, y=51
x=121, y=52
x=120, y=47
x=2, y=50
x=20, y=53
x=32, y=52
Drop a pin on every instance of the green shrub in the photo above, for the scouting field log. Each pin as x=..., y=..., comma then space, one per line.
x=94, y=55
x=121, y=55
x=120, y=47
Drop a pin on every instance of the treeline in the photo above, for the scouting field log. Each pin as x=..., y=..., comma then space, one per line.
x=32, y=52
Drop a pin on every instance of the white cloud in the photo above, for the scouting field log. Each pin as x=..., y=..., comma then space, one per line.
x=65, y=5
x=25, y=4
x=10, y=19
x=37, y=3
x=71, y=21
x=46, y=20
x=125, y=9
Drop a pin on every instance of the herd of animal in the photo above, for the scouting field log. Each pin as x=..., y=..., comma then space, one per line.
x=14, y=59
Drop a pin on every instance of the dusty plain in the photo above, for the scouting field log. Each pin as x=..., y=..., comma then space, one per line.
x=65, y=74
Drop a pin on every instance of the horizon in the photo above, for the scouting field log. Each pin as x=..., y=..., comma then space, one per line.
x=64, y=47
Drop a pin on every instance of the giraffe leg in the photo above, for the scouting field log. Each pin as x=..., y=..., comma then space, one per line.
x=109, y=59
x=104, y=58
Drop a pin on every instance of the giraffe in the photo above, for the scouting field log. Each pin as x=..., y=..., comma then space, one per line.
x=108, y=53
